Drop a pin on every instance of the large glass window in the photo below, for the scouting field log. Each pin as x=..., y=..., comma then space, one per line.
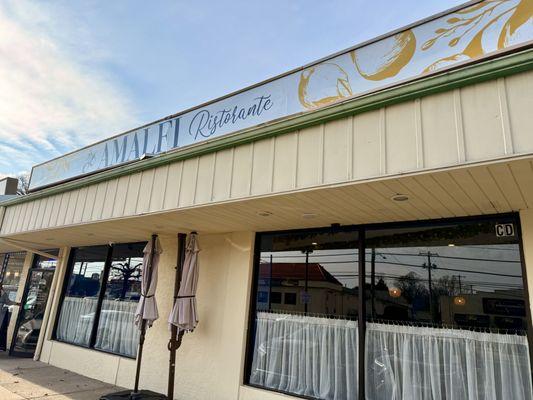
x=81, y=295
x=12, y=270
x=102, y=290
x=305, y=331
x=445, y=304
x=116, y=329
x=447, y=313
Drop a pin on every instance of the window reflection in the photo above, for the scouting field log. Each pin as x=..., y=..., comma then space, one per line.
x=306, y=303
x=81, y=297
x=458, y=275
x=447, y=315
x=117, y=332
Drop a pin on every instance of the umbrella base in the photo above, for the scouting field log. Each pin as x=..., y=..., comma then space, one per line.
x=130, y=395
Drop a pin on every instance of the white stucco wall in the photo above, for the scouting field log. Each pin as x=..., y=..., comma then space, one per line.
x=210, y=362
x=526, y=222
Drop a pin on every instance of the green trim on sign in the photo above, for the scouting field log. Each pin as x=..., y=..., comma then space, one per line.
x=462, y=76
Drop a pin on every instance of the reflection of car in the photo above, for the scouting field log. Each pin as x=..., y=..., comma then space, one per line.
x=28, y=333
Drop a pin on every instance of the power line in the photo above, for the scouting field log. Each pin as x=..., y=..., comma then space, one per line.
x=423, y=267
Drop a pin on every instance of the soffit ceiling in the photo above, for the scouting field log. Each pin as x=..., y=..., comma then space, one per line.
x=499, y=187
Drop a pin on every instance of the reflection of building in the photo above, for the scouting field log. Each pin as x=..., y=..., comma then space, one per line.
x=283, y=286
x=502, y=309
x=388, y=304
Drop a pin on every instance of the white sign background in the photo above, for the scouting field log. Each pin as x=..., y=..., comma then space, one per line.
x=464, y=34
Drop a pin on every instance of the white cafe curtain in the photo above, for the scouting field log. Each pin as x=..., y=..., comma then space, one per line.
x=419, y=363
x=309, y=356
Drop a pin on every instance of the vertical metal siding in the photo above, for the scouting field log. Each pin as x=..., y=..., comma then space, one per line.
x=478, y=122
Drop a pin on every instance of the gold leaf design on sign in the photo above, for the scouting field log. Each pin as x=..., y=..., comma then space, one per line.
x=57, y=167
x=395, y=53
x=323, y=84
x=475, y=18
x=523, y=12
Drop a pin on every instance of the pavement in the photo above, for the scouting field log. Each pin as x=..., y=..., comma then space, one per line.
x=23, y=378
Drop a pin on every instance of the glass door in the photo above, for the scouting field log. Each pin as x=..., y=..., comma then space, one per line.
x=32, y=308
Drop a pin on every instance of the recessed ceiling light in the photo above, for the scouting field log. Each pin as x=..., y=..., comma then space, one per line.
x=264, y=213
x=309, y=215
x=400, y=197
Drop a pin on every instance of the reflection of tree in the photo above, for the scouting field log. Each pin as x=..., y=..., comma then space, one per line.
x=126, y=271
x=412, y=287
x=381, y=285
x=447, y=286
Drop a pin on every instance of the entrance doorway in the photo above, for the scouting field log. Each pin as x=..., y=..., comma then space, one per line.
x=33, y=306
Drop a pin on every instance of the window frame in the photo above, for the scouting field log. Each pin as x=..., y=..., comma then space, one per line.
x=101, y=297
x=360, y=235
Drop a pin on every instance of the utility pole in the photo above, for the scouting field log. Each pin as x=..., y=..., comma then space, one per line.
x=429, y=266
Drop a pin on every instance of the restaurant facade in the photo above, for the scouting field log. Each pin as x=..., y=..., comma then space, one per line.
x=365, y=226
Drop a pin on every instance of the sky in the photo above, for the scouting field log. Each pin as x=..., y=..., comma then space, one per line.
x=73, y=73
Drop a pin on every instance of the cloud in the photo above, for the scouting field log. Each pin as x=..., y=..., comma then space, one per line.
x=51, y=100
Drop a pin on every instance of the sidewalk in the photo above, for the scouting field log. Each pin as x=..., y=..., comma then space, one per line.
x=22, y=378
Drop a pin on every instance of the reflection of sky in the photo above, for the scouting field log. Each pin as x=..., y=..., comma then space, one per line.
x=479, y=268
x=96, y=267
x=341, y=263
x=89, y=268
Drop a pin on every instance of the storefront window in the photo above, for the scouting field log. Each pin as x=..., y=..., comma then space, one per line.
x=81, y=296
x=12, y=264
x=98, y=308
x=12, y=270
x=445, y=304
x=305, y=333
x=447, y=311
x=117, y=332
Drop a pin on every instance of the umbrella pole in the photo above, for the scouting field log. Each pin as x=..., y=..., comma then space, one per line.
x=143, y=322
x=174, y=343
x=139, y=356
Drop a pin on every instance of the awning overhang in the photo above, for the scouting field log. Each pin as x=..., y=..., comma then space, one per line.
x=481, y=189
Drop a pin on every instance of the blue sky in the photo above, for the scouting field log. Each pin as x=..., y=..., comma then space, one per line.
x=72, y=73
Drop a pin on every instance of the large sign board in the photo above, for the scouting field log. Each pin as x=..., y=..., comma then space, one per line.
x=461, y=35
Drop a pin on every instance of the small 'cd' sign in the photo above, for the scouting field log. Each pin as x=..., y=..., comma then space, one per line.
x=503, y=230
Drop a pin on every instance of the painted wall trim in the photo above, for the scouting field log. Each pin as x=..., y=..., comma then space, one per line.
x=466, y=75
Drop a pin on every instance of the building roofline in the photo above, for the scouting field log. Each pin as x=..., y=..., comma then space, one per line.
x=276, y=77
x=499, y=64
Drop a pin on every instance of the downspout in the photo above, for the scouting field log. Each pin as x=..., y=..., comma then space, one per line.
x=2, y=214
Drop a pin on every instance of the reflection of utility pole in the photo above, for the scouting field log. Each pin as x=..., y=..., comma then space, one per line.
x=373, y=281
x=270, y=286
x=429, y=266
x=460, y=286
x=307, y=297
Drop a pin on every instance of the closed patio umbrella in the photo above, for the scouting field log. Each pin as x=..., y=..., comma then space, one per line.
x=145, y=315
x=184, y=316
x=147, y=306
